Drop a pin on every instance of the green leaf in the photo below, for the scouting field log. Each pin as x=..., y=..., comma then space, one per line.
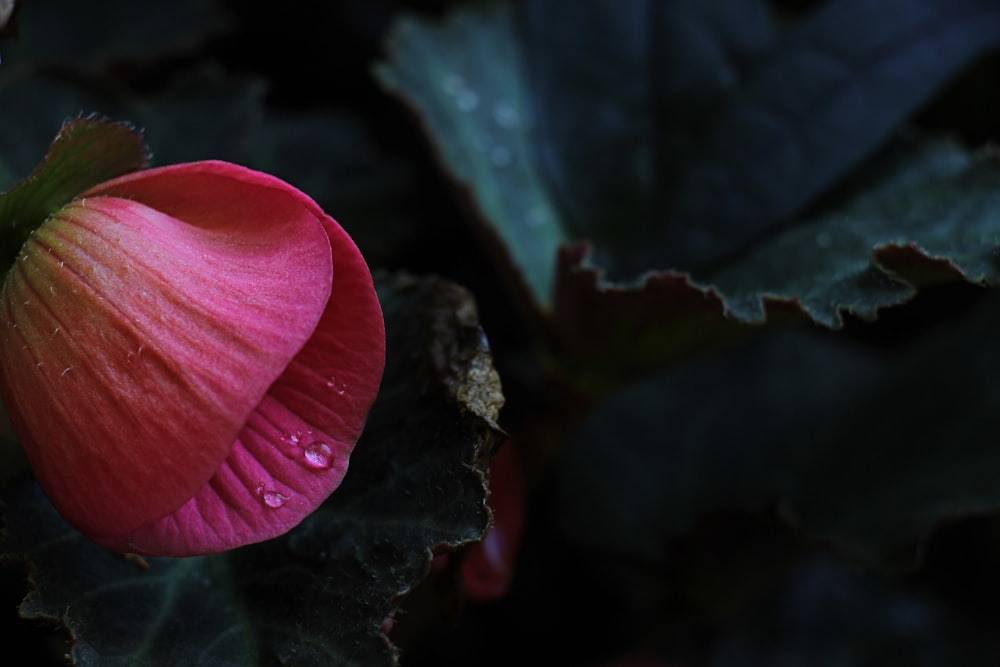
x=626, y=147
x=86, y=152
x=928, y=212
x=627, y=95
x=610, y=334
x=834, y=90
x=321, y=594
x=652, y=158
x=869, y=450
x=924, y=212
x=465, y=80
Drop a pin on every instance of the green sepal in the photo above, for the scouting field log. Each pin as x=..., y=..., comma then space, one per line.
x=86, y=152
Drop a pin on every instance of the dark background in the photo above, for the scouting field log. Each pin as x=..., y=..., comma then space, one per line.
x=742, y=587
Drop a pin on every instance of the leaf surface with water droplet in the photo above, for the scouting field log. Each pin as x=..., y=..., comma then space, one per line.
x=697, y=132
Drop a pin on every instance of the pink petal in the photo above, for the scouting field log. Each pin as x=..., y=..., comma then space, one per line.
x=144, y=323
x=293, y=452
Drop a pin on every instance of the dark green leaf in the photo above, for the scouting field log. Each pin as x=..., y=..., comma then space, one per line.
x=623, y=150
x=626, y=96
x=321, y=594
x=933, y=198
x=924, y=212
x=870, y=450
x=664, y=158
x=837, y=88
x=465, y=80
x=611, y=334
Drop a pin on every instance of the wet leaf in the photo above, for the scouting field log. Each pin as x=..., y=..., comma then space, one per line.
x=465, y=80
x=626, y=174
x=667, y=161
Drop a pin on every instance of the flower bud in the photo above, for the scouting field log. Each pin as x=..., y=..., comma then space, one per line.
x=189, y=354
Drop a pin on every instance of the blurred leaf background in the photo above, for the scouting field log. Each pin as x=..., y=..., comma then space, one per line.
x=733, y=259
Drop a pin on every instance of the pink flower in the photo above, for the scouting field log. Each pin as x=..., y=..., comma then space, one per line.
x=189, y=354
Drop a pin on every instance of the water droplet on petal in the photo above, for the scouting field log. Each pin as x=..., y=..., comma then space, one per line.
x=292, y=438
x=274, y=499
x=318, y=455
x=338, y=387
x=270, y=497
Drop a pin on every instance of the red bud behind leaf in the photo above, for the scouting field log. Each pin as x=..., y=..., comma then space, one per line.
x=488, y=567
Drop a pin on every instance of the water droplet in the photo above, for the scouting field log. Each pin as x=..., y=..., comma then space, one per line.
x=505, y=115
x=318, y=455
x=293, y=438
x=274, y=499
x=537, y=216
x=467, y=100
x=338, y=387
x=453, y=84
x=500, y=156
